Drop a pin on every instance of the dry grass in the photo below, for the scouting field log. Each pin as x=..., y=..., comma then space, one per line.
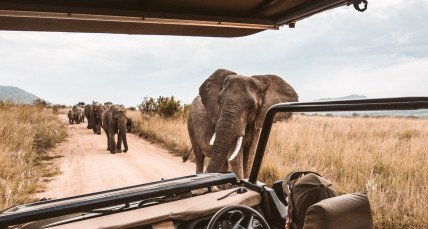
x=171, y=133
x=385, y=157
x=26, y=132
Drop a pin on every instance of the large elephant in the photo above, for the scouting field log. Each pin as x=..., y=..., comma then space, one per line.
x=224, y=121
x=89, y=115
x=114, y=122
x=70, y=116
x=97, y=119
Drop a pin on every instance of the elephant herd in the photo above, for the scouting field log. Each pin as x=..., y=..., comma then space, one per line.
x=112, y=119
x=75, y=115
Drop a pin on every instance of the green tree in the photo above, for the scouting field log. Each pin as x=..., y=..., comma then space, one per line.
x=148, y=106
x=108, y=104
x=167, y=107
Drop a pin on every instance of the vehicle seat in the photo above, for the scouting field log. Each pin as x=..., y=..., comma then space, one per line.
x=350, y=211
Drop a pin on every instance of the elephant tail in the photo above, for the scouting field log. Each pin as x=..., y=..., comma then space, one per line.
x=186, y=156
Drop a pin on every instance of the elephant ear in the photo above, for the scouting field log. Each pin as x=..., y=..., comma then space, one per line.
x=209, y=92
x=276, y=90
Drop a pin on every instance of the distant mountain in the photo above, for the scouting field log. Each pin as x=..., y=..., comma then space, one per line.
x=17, y=94
x=417, y=113
x=344, y=98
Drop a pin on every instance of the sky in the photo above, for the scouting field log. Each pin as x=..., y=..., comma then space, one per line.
x=382, y=52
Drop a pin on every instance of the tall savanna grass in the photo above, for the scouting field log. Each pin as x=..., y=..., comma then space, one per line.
x=26, y=132
x=385, y=157
x=171, y=133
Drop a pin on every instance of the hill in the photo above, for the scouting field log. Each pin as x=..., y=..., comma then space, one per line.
x=16, y=94
x=417, y=113
x=344, y=98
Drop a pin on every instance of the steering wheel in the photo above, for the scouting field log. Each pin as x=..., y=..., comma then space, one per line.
x=237, y=217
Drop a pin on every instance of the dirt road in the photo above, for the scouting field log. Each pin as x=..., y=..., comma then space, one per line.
x=87, y=166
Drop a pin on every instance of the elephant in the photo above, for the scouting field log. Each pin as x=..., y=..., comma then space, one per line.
x=226, y=117
x=129, y=125
x=114, y=122
x=89, y=113
x=97, y=119
x=82, y=116
x=70, y=116
x=78, y=114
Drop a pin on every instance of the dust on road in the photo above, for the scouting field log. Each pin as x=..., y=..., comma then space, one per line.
x=87, y=166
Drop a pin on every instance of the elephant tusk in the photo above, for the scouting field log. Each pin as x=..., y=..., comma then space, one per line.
x=237, y=148
x=212, y=140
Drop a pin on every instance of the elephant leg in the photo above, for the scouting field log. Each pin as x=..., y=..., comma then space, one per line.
x=112, y=142
x=108, y=140
x=199, y=160
x=119, y=143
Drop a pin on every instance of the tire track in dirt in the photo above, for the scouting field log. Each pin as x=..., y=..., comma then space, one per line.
x=87, y=166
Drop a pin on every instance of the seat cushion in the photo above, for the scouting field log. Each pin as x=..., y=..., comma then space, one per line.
x=348, y=211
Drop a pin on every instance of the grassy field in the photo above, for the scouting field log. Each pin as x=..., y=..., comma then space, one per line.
x=26, y=132
x=385, y=157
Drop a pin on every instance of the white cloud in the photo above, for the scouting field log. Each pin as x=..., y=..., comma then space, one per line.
x=332, y=54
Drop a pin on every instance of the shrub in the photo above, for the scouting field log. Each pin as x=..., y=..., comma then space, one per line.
x=166, y=107
x=40, y=103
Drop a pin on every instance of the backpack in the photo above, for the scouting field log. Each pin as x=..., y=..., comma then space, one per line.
x=302, y=189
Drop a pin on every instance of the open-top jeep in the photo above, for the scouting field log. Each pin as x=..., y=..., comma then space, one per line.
x=191, y=201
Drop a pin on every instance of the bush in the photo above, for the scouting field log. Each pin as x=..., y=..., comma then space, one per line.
x=166, y=107
x=148, y=106
x=40, y=103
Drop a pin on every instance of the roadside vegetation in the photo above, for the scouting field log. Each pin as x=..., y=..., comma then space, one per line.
x=26, y=133
x=385, y=157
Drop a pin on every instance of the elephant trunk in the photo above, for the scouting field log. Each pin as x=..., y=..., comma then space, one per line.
x=227, y=134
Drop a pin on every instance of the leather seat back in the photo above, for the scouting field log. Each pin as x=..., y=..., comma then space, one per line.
x=350, y=211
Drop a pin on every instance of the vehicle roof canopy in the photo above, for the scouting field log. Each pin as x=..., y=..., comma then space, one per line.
x=218, y=18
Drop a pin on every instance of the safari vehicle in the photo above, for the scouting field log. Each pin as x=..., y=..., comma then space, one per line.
x=190, y=201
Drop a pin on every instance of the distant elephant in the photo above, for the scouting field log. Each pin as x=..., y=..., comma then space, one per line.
x=78, y=113
x=129, y=125
x=82, y=116
x=70, y=116
x=224, y=121
x=114, y=122
x=89, y=115
x=97, y=119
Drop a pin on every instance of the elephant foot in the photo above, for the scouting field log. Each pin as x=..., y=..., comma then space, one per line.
x=113, y=152
x=125, y=150
x=99, y=133
x=108, y=149
x=118, y=151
